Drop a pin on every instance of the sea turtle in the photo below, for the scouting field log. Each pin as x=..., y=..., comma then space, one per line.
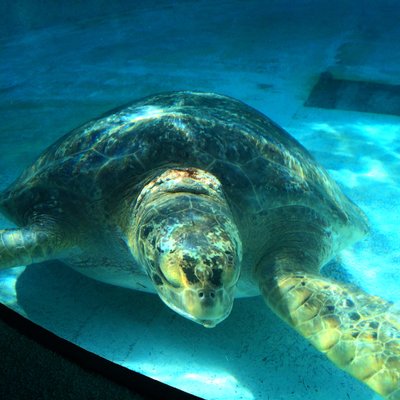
x=200, y=198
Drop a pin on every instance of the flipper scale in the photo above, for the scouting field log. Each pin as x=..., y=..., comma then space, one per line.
x=24, y=246
x=360, y=333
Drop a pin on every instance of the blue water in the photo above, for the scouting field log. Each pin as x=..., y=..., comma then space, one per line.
x=62, y=66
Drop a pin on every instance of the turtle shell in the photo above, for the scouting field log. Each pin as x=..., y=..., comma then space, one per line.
x=264, y=172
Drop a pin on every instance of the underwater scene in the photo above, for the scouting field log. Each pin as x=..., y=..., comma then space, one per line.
x=327, y=73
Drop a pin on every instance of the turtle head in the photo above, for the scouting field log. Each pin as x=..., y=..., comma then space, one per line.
x=186, y=239
x=197, y=267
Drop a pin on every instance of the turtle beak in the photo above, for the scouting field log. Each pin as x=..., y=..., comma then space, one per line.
x=208, y=323
x=206, y=306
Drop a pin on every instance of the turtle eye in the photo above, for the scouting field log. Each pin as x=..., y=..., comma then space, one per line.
x=157, y=280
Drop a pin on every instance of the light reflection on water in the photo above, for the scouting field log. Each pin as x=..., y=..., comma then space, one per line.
x=361, y=152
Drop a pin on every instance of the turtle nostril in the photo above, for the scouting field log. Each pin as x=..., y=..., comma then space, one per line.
x=208, y=294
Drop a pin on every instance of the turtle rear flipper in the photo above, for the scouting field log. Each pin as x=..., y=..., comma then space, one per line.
x=360, y=333
x=24, y=246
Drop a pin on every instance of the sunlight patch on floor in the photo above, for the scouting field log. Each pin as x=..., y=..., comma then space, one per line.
x=213, y=383
x=8, y=281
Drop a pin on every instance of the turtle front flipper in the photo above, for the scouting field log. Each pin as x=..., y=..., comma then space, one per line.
x=360, y=333
x=24, y=246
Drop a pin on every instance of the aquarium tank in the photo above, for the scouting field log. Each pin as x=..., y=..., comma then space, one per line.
x=326, y=72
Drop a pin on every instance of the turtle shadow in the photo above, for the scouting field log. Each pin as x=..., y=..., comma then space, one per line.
x=252, y=354
x=335, y=270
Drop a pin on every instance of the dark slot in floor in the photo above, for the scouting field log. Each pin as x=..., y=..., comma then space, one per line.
x=341, y=94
